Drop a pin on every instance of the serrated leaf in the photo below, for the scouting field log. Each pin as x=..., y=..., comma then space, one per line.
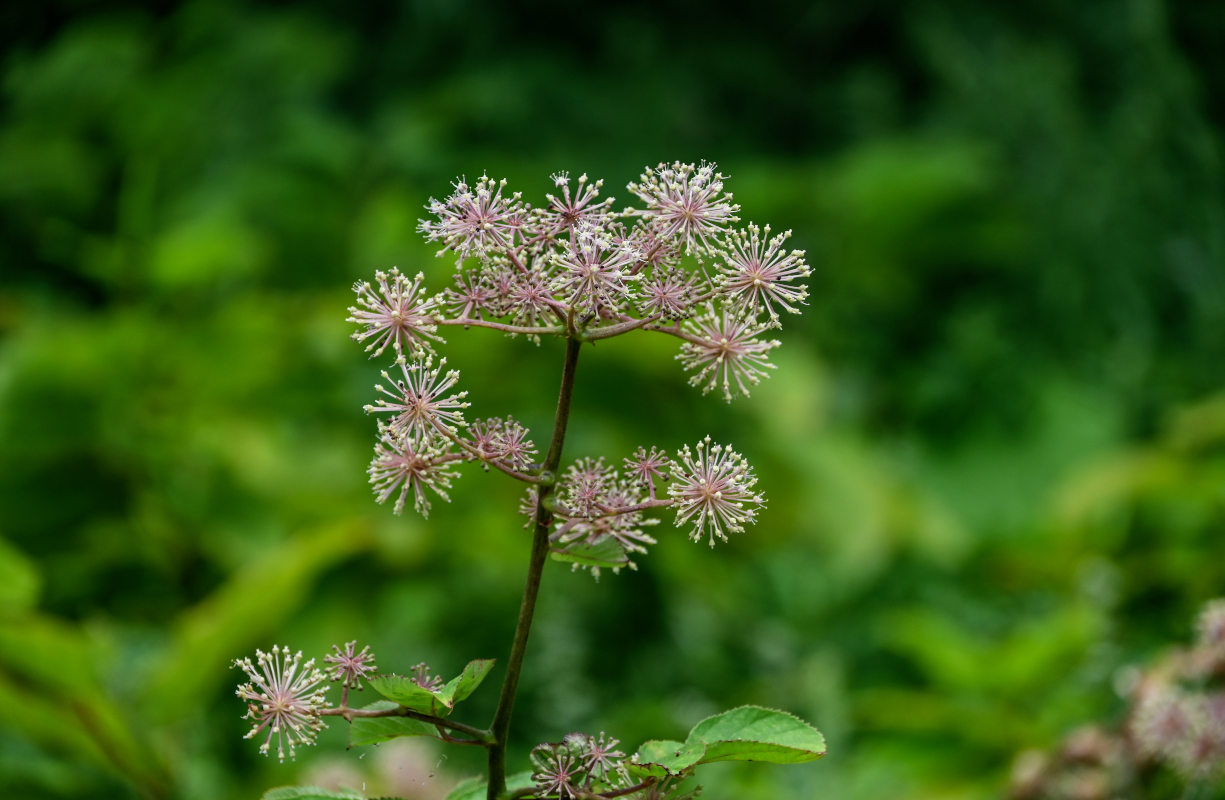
x=372, y=730
x=474, y=788
x=672, y=757
x=606, y=552
x=463, y=685
x=406, y=692
x=753, y=733
x=309, y=793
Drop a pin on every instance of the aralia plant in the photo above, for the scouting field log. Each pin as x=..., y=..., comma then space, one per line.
x=678, y=264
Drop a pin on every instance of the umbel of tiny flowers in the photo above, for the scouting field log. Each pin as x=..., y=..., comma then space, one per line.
x=349, y=666
x=284, y=698
x=713, y=489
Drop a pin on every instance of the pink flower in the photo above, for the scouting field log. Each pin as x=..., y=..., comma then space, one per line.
x=397, y=314
x=713, y=490
x=283, y=698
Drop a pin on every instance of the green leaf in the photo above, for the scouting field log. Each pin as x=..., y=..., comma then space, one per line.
x=372, y=730
x=406, y=692
x=605, y=552
x=474, y=788
x=752, y=733
x=672, y=757
x=462, y=686
x=410, y=694
x=20, y=580
x=309, y=793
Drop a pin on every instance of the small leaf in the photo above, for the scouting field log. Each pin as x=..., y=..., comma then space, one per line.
x=462, y=686
x=406, y=692
x=673, y=757
x=372, y=730
x=752, y=733
x=474, y=788
x=605, y=552
x=309, y=793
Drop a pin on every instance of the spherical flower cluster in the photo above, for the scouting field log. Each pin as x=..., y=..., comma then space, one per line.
x=349, y=666
x=284, y=698
x=713, y=490
x=578, y=765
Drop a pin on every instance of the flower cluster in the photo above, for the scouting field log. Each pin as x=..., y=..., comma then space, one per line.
x=578, y=764
x=678, y=264
x=710, y=486
x=287, y=698
x=284, y=698
x=574, y=266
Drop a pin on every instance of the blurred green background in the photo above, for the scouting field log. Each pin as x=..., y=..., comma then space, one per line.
x=994, y=449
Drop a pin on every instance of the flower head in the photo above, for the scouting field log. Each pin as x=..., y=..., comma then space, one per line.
x=593, y=272
x=669, y=292
x=475, y=219
x=713, y=490
x=409, y=465
x=284, y=697
x=423, y=677
x=502, y=440
x=349, y=667
x=557, y=771
x=687, y=203
x=726, y=350
x=473, y=297
x=759, y=274
x=645, y=466
x=398, y=314
x=420, y=401
x=567, y=211
x=600, y=757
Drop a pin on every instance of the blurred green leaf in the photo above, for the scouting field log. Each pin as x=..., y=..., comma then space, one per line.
x=250, y=605
x=604, y=553
x=19, y=580
x=674, y=758
x=474, y=788
x=463, y=685
x=752, y=733
x=310, y=793
x=372, y=730
x=408, y=693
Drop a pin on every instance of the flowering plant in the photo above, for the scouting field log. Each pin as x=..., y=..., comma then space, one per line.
x=577, y=270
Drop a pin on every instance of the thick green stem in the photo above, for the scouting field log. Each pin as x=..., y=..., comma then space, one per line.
x=540, y=551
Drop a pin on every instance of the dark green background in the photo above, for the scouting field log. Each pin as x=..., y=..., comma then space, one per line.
x=994, y=449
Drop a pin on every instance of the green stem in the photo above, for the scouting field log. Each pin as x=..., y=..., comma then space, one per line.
x=540, y=551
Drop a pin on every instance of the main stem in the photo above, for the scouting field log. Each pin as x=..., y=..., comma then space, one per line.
x=540, y=551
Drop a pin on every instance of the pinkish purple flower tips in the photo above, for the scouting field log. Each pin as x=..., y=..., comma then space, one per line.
x=687, y=203
x=409, y=466
x=349, y=666
x=726, y=351
x=284, y=698
x=758, y=274
x=713, y=491
x=397, y=314
x=422, y=406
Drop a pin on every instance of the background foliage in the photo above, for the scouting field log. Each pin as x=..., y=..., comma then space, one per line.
x=994, y=450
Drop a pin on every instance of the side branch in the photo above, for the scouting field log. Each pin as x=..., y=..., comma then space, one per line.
x=478, y=736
